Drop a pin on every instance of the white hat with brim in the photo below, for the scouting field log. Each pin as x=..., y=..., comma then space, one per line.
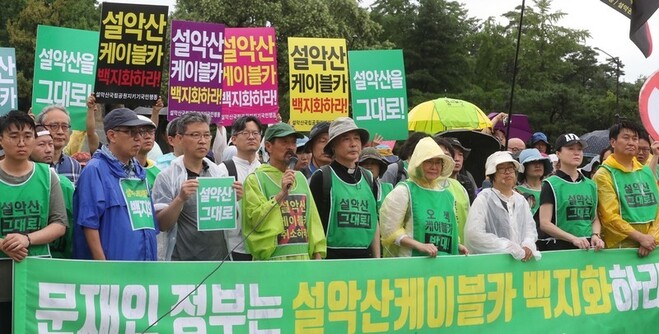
x=498, y=158
x=343, y=125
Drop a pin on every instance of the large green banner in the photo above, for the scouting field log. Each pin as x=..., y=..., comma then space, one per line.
x=64, y=70
x=613, y=291
x=378, y=92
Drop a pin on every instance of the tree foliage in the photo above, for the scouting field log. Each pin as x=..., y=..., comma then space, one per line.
x=560, y=83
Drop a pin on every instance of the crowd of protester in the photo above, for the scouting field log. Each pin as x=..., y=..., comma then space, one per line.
x=332, y=194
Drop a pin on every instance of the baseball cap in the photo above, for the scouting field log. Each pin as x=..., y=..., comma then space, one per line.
x=280, y=130
x=456, y=144
x=122, y=117
x=569, y=139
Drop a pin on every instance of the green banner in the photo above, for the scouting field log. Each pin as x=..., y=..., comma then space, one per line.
x=64, y=72
x=378, y=92
x=216, y=204
x=613, y=291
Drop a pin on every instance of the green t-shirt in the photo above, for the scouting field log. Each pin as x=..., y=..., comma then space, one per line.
x=385, y=189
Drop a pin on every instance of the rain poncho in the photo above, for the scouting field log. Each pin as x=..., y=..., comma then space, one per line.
x=189, y=243
x=497, y=224
x=396, y=221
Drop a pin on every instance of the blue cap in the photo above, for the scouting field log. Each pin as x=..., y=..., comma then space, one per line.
x=539, y=137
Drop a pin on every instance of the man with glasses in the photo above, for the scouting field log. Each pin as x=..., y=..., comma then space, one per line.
x=175, y=193
x=148, y=141
x=516, y=146
x=246, y=137
x=28, y=191
x=56, y=119
x=112, y=208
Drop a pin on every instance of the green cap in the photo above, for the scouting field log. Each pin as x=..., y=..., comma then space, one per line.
x=280, y=130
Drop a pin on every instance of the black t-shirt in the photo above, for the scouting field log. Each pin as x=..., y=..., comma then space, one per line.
x=316, y=187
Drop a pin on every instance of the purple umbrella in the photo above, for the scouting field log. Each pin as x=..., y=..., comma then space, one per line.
x=519, y=127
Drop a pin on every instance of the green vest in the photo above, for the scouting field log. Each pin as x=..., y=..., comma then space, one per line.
x=294, y=241
x=385, y=189
x=353, y=217
x=62, y=247
x=536, y=195
x=575, y=205
x=151, y=173
x=637, y=194
x=433, y=216
x=24, y=207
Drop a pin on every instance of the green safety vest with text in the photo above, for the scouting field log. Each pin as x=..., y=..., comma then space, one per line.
x=637, y=194
x=294, y=241
x=575, y=205
x=24, y=207
x=433, y=216
x=353, y=218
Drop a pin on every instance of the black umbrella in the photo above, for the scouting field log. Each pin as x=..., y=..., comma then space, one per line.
x=482, y=145
x=596, y=140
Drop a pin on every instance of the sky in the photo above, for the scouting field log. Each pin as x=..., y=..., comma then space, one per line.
x=609, y=30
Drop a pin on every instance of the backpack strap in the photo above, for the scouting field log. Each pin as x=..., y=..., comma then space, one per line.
x=327, y=185
x=231, y=168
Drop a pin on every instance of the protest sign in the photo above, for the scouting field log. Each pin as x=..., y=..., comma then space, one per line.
x=378, y=92
x=216, y=204
x=8, y=84
x=131, y=52
x=250, y=75
x=195, y=69
x=318, y=79
x=64, y=72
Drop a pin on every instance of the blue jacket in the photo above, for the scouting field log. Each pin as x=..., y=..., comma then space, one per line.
x=98, y=203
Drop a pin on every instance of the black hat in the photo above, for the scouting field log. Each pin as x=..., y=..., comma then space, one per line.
x=318, y=129
x=569, y=139
x=456, y=144
x=122, y=117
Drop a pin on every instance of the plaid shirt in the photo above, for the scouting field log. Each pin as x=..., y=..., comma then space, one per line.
x=68, y=167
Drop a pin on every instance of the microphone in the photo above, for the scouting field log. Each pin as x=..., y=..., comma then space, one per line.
x=292, y=162
x=291, y=165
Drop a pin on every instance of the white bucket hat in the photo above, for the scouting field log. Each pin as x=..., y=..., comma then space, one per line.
x=500, y=157
x=343, y=125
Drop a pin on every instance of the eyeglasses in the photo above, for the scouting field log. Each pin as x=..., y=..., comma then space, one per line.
x=149, y=131
x=644, y=149
x=506, y=170
x=133, y=132
x=197, y=135
x=57, y=126
x=15, y=138
x=514, y=149
x=248, y=134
